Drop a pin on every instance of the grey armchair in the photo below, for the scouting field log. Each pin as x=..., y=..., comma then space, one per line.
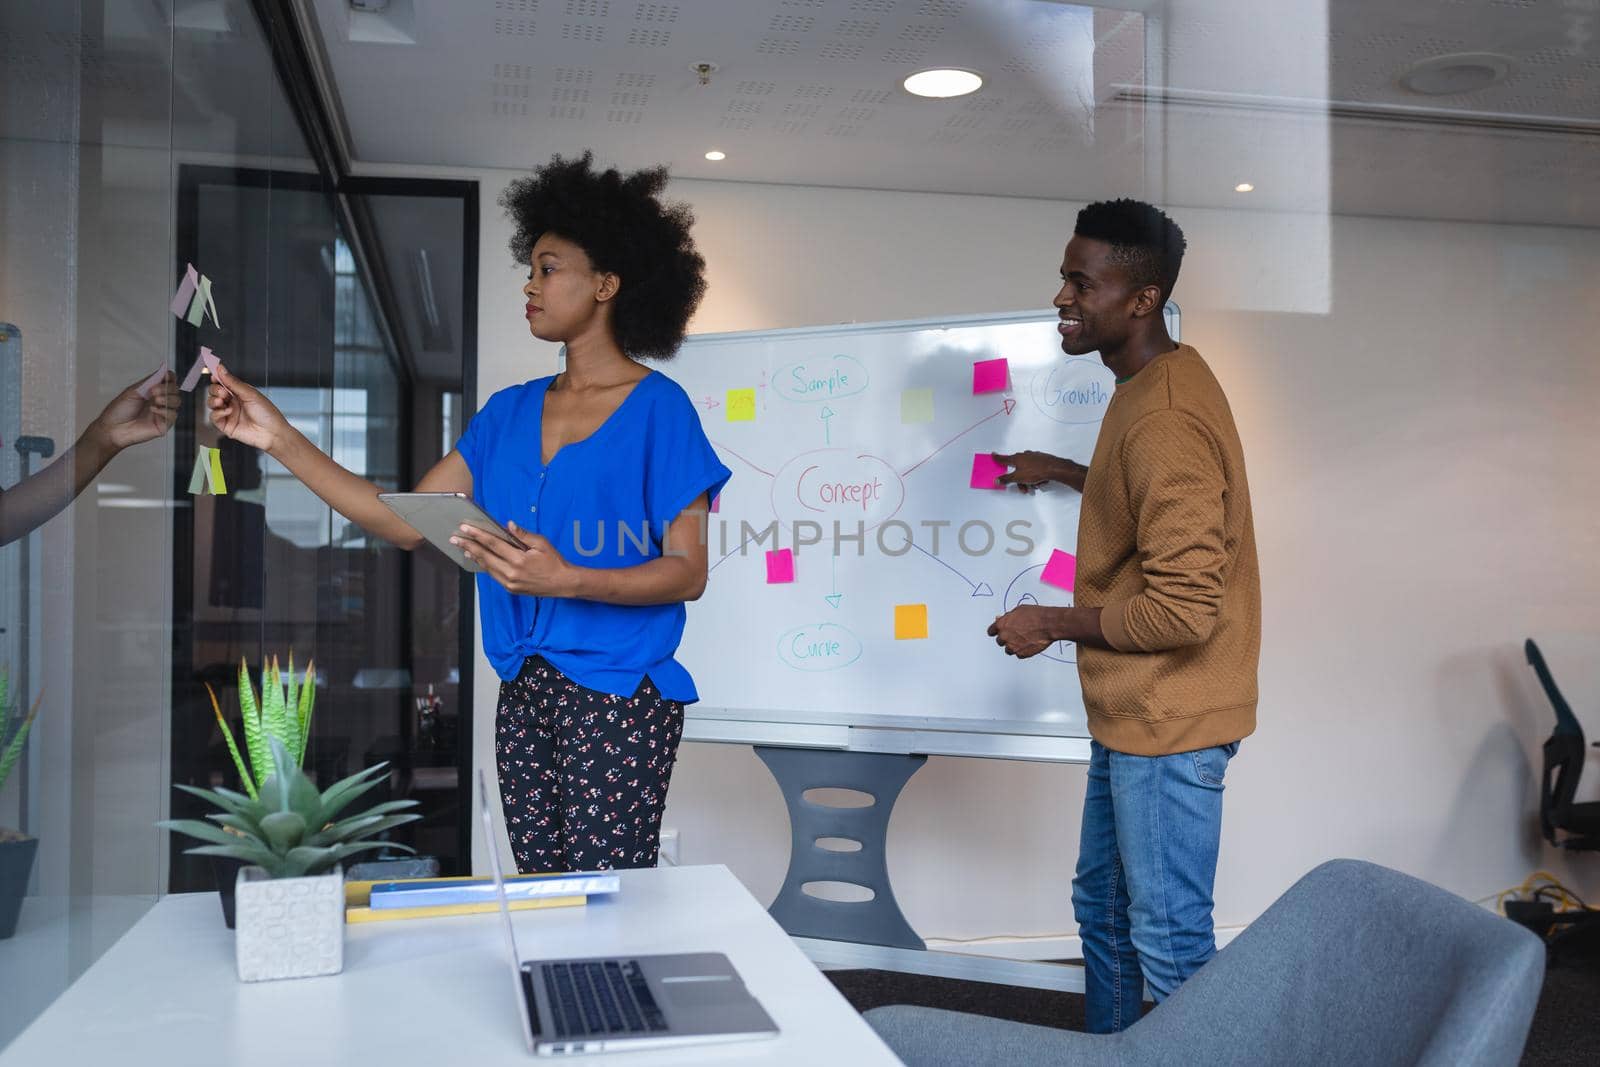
x=1354, y=964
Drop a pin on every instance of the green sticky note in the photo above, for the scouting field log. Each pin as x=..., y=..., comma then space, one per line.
x=916, y=405
x=211, y=305
x=741, y=405
x=219, y=485
x=202, y=472
x=197, y=309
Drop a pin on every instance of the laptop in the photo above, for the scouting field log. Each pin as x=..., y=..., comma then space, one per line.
x=612, y=1004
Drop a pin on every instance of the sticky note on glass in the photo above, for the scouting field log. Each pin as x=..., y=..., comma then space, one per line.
x=219, y=484
x=207, y=476
x=916, y=405
x=741, y=405
x=203, y=362
x=910, y=622
x=203, y=298
x=186, y=290
x=1061, y=571
x=985, y=470
x=780, y=566
x=989, y=376
x=197, y=309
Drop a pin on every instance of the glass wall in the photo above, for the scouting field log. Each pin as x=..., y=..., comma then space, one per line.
x=136, y=139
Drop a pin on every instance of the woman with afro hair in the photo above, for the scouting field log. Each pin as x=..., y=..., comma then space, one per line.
x=604, y=475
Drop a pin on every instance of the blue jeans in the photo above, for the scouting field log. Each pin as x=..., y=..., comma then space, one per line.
x=1147, y=862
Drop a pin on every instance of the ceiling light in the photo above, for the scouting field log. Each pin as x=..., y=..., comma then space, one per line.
x=716, y=156
x=943, y=83
x=1243, y=187
x=1465, y=72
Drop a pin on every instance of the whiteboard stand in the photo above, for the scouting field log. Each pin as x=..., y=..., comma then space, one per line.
x=877, y=921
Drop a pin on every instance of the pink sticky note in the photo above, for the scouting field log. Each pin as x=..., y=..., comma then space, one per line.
x=780, y=566
x=716, y=504
x=1061, y=571
x=186, y=288
x=985, y=470
x=152, y=381
x=989, y=376
x=205, y=361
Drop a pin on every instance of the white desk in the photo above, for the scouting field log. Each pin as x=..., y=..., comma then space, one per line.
x=434, y=992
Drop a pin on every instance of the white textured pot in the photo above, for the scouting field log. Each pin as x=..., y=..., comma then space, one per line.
x=288, y=927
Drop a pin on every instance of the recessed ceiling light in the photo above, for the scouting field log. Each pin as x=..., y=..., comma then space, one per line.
x=1465, y=72
x=715, y=156
x=1243, y=187
x=943, y=83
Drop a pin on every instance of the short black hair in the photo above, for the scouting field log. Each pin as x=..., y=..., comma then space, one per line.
x=1143, y=240
x=622, y=225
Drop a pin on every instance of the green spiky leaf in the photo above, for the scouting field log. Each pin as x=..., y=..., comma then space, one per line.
x=233, y=748
x=284, y=830
x=203, y=831
x=255, y=740
x=13, y=749
x=227, y=800
x=274, y=717
x=259, y=855
x=343, y=793
x=308, y=696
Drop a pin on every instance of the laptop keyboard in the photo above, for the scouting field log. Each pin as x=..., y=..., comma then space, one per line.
x=601, y=997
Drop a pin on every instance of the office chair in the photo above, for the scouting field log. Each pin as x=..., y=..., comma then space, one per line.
x=1565, y=824
x=1355, y=963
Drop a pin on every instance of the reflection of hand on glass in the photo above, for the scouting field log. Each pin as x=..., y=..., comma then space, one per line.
x=129, y=419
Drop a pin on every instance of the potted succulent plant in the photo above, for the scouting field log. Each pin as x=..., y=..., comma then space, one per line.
x=16, y=849
x=290, y=897
x=283, y=710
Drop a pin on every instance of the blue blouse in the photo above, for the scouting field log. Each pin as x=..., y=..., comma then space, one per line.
x=605, y=501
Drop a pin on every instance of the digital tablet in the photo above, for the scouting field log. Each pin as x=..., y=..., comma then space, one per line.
x=439, y=517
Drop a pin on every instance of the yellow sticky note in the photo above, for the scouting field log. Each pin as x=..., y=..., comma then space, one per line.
x=218, y=485
x=741, y=405
x=910, y=622
x=916, y=405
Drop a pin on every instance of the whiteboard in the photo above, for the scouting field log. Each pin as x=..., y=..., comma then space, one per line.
x=870, y=431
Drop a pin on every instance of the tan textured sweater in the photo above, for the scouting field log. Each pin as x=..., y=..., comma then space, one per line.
x=1167, y=550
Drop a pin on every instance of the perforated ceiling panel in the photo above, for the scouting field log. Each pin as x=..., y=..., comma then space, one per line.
x=808, y=91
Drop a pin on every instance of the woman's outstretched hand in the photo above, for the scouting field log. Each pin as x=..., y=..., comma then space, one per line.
x=131, y=419
x=239, y=411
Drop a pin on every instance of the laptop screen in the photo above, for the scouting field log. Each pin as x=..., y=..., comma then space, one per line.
x=524, y=1004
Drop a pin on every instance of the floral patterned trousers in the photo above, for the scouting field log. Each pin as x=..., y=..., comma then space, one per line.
x=583, y=774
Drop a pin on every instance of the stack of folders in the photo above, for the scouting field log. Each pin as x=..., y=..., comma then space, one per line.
x=431, y=898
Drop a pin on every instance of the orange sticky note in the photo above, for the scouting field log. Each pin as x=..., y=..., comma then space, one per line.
x=910, y=622
x=741, y=405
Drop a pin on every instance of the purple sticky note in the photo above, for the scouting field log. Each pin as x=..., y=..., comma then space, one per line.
x=205, y=361
x=186, y=288
x=1061, y=571
x=780, y=566
x=989, y=376
x=985, y=470
x=192, y=379
x=152, y=381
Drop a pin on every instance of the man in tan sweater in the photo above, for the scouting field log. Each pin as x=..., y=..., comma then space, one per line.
x=1167, y=614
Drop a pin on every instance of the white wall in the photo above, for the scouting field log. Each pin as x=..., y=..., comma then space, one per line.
x=1422, y=463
